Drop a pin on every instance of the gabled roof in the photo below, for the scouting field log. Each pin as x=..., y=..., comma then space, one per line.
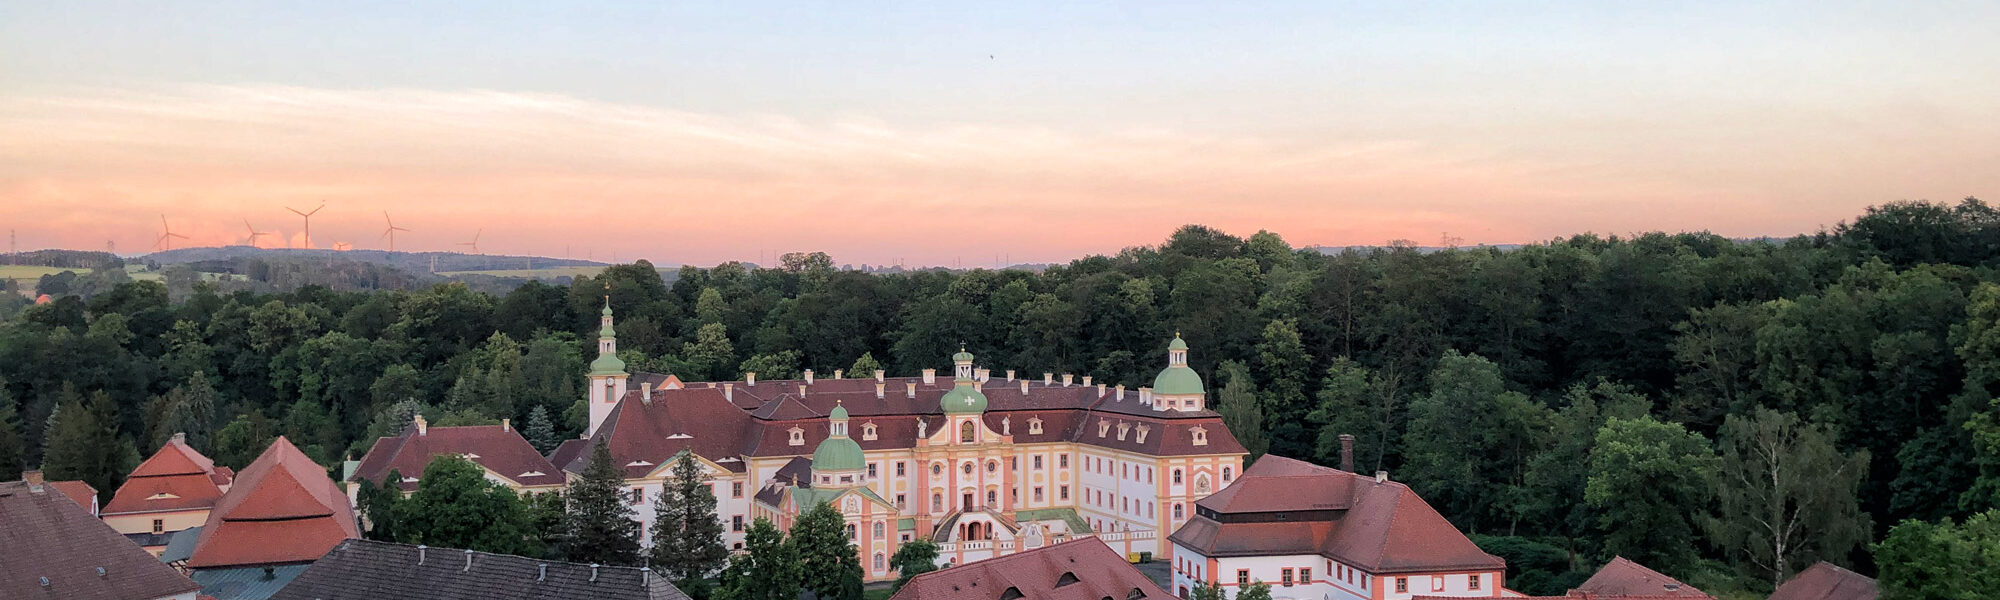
x=497, y=448
x=48, y=536
x=80, y=492
x=283, y=509
x=1379, y=526
x=174, y=478
x=1824, y=581
x=1079, y=569
x=1624, y=577
x=370, y=570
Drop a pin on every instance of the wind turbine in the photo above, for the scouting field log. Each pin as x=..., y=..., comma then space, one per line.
x=309, y=221
x=167, y=235
x=475, y=240
x=391, y=231
x=254, y=233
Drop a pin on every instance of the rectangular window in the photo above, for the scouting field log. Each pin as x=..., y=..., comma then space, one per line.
x=899, y=500
x=638, y=495
x=1242, y=578
x=871, y=471
x=159, y=526
x=1306, y=576
x=1402, y=585
x=1472, y=581
x=1063, y=492
x=736, y=523
x=1437, y=583
x=1038, y=462
x=1285, y=575
x=1062, y=461
x=1038, y=493
x=899, y=469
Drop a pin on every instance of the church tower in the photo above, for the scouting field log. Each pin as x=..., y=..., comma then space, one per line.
x=964, y=404
x=607, y=373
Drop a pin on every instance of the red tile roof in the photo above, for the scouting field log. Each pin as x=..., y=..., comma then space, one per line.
x=283, y=509
x=1624, y=577
x=84, y=495
x=1824, y=581
x=1080, y=569
x=1379, y=526
x=499, y=449
x=174, y=478
x=46, y=535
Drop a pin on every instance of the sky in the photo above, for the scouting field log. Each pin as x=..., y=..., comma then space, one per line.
x=937, y=133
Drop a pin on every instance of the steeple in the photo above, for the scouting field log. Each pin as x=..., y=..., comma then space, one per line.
x=838, y=455
x=607, y=373
x=1177, y=386
x=964, y=396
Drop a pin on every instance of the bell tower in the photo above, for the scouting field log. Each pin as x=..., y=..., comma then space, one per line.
x=607, y=373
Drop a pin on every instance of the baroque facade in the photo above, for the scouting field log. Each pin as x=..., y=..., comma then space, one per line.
x=985, y=465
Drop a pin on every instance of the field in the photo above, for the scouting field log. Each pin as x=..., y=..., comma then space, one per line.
x=547, y=273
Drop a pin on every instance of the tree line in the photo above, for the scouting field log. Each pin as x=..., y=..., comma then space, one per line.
x=1661, y=396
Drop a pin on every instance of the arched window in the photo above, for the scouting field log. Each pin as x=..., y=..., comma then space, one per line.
x=850, y=532
x=937, y=502
x=992, y=499
x=1225, y=474
x=1178, y=512
x=868, y=431
x=879, y=561
x=878, y=532
x=965, y=432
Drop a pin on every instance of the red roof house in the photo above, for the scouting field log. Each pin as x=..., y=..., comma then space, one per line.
x=50, y=550
x=172, y=491
x=84, y=495
x=282, y=509
x=498, y=448
x=1824, y=581
x=1080, y=569
x=1622, y=577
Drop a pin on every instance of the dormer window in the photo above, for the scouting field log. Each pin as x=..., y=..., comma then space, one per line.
x=868, y=431
x=1066, y=579
x=798, y=436
x=1034, y=425
x=1103, y=427
x=1200, y=436
x=1142, y=433
x=1122, y=428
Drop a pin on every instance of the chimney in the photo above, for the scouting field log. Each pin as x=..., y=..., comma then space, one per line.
x=543, y=575
x=930, y=376
x=750, y=378
x=729, y=391
x=646, y=391
x=837, y=373
x=1100, y=390
x=910, y=388
x=878, y=389
x=1347, y=452
x=593, y=572
x=809, y=376
x=34, y=479
x=983, y=375
x=1381, y=476
x=1121, y=392
x=1067, y=378
x=878, y=376
x=506, y=424
x=1024, y=387
x=423, y=427
x=1048, y=378
x=1145, y=395
x=468, y=561
x=802, y=390
x=180, y=438
x=1010, y=374
x=1086, y=381
x=420, y=553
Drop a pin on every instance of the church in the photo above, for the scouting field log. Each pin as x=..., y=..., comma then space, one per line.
x=983, y=464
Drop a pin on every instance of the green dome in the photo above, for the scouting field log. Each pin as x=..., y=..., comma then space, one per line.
x=607, y=308
x=839, y=412
x=1177, y=344
x=839, y=454
x=1177, y=381
x=607, y=364
x=963, y=399
x=962, y=356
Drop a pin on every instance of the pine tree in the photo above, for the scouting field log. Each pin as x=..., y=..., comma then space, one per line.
x=11, y=452
x=832, y=568
x=600, y=523
x=914, y=558
x=83, y=444
x=1240, y=410
x=541, y=432
x=768, y=568
x=190, y=409
x=687, y=537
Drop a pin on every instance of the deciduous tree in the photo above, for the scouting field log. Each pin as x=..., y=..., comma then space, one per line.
x=767, y=569
x=832, y=569
x=913, y=558
x=455, y=506
x=1786, y=495
x=1647, y=480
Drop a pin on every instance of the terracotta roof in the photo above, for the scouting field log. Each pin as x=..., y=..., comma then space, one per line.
x=1824, y=581
x=284, y=509
x=1080, y=569
x=1380, y=526
x=84, y=495
x=174, y=478
x=499, y=449
x=1622, y=576
x=47, y=536
x=370, y=570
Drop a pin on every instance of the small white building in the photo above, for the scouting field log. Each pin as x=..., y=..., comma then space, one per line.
x=1320, y=533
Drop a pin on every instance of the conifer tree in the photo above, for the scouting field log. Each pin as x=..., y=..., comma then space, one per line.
x=546, y=515
x=190, y=410
x=1240, y=409
x=11, y=452
x=83, y=443
x=832, y=568
x=768, y=568
x=687, y=537
x=541, y=431
x=600, y=522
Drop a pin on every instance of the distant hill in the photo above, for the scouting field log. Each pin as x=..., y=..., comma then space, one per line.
x=413, y=262
x=62, y=259
x=1421, y=249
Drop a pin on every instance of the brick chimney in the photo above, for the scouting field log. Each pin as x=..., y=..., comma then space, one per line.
x=1347, y=452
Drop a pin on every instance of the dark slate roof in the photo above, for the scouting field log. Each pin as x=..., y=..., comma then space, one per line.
x=369, y=570
x=246, y=583
x=46, y=535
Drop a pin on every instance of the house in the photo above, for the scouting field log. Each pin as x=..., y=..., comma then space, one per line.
x=1079, y=569
x=282, y=513
x=80, y=492
x=983, y=464
x=1318, y=532
x=506, y=457
x=370, y=570
x=51, y=549
x=1824, y=581
x=1622, y=577
x=171, y=491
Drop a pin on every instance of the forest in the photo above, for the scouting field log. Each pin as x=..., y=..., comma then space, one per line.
x=1725, y=411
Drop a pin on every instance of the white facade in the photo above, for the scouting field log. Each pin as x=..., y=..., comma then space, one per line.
x=1316, y=577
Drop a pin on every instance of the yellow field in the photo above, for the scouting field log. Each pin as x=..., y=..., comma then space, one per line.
x=30, y=275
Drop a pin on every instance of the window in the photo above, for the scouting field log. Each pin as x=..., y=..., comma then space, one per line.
x=967, y=468
x=1437, y=583
x=1037, y=462
x=868, y=431
x=1305, y=576
x=736, y=546
x=1179, y=512
x=1472, y=581
x=638, y=495
x=1225, y=474
x=1149, y=474
x=159, y=526
x=1177, y=476
x=847, y=479
x=1122, y=428
x=899, y=469
x=1402, y=585
x=850, y=532
x=937, y=468
x=736, y=489
x=1200, y=436
x=1103, y=427
x=1062, y=461
x=965, y=432
x=992, y=466
x=937, y=502
x=878, y=532
x=1242, y=577
x=899, y=500
x=798, y=437
x=1285, y=576
x=1062, y=492
x=1035, y=425
x=992, y=499
x=1038, y=493
x=871, y=471
x=736, y=523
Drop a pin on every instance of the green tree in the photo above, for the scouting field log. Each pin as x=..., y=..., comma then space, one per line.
x=1241, y=411
x=783, y=364
x=547, y=513
x=1257, y=590
x=11, y=451
x=913, y=558
x=600, y=526
x=83, y=444
x=1285, y=369
x=1345, y=395
x=1558, y=475
x=1470, y=441
x=190, y=409
x=1940, y=561
x=832, y=568
x=1204, y=591
x=710, y=354
x=455, y=506
x=687, y=537
x=864, y=367
x=1786, y=495
x=1647, y=479
x=767, y=569
x=239, y=442
x=378, y=506
x=541, y=432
